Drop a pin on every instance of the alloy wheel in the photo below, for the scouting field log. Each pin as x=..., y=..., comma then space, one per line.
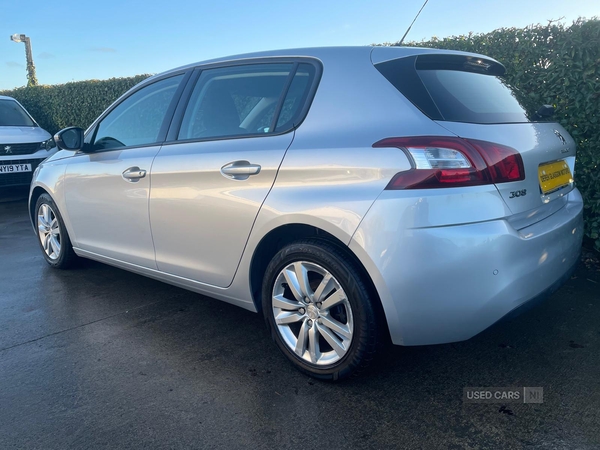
x=312, y=313
x=49, y=231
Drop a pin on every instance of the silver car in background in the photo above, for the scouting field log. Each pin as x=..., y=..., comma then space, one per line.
x=353, y=195
x=23, y=144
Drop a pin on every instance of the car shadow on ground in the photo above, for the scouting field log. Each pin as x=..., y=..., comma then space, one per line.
x=113, y=337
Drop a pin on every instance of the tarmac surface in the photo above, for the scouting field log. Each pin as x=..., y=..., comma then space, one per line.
x=97, y=357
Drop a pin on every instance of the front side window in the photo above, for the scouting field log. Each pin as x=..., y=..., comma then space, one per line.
x=235, y=101
x=13, y=115
x=138, y=119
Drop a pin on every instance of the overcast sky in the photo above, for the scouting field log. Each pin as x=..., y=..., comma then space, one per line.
x=76, y=40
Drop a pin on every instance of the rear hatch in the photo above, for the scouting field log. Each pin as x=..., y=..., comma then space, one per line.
x=544, y=154
x=467, y=95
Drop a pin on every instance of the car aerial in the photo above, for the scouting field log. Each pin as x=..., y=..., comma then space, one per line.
x=353, y=195
x=23, y=144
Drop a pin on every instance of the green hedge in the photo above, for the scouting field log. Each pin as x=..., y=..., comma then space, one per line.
x=553, y=64
x=71, y=104
x=558, y=65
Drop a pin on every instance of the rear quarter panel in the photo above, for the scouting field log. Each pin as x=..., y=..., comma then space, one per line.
x=331, y=174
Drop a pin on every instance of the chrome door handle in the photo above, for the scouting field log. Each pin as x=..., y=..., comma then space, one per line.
x=240, y=170
x=134, y=174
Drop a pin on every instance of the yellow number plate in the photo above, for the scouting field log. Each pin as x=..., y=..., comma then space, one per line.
x=554, y=176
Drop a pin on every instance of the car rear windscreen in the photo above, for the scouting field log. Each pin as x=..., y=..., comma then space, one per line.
x=12, y=115
x=457, y=88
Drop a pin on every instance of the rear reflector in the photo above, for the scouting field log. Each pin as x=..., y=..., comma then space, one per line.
x=454, y=162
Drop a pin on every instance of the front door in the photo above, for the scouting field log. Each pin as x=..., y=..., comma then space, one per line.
x=107, y=188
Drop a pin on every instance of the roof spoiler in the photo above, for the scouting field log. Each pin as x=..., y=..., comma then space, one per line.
x=465, y=63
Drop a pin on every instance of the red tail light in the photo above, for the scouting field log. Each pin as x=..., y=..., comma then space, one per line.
x=504, y=163
x=454, y=162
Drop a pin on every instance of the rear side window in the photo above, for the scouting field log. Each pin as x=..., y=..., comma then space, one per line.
x=458, y=89
x=12, y=115
x=248, y=100
x=296, y=97
x=230, y=101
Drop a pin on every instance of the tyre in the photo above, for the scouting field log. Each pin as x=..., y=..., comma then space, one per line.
x=52, y=234
x=319, y=310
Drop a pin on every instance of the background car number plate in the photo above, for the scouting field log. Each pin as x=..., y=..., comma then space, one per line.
x=554, y=175
x=14, y=168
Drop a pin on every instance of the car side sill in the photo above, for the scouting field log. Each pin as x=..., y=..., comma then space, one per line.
x=185, y=283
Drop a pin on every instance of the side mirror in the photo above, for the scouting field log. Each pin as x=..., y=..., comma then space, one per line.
x=69, y=138
x=545, y=111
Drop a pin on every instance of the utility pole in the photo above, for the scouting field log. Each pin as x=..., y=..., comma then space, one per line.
x=31, y=77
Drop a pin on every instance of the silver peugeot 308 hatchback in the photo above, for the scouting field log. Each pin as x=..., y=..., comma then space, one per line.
x=351, y=195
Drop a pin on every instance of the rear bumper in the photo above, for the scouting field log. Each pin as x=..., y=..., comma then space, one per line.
x=541, y=297
x=447, y=284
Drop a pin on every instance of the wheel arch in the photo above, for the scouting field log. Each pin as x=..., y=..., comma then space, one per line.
x=283, y=235
x=33, y=198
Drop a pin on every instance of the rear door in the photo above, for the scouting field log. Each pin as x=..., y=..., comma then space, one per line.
x=210, y=180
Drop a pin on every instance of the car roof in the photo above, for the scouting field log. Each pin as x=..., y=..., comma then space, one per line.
x=376, y=53
x=5, y=97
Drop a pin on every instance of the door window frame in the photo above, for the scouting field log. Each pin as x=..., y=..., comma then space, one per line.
x=172, y=135
x=90, y=133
